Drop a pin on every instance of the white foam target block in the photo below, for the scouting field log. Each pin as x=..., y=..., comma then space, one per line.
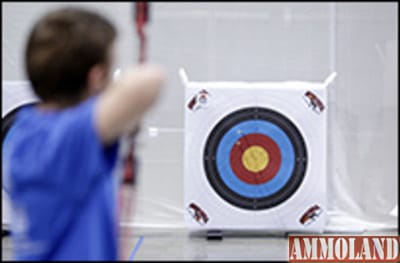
x=255, y=155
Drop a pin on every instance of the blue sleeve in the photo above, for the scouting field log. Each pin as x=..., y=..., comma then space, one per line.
x=84, y=157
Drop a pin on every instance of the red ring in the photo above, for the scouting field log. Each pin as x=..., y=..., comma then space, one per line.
x=240, y=147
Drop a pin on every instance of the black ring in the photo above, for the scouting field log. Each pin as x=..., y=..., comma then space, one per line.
x=226, y=124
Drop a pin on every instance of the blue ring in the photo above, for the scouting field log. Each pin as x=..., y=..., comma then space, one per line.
x=287, y=158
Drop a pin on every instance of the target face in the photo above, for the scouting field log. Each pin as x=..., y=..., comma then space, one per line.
x=255, y=158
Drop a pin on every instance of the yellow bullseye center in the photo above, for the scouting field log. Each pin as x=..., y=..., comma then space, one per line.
x=255, y=158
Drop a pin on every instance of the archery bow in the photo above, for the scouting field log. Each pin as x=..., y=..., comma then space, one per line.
x=141, y=18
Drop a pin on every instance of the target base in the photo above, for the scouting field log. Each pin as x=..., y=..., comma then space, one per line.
x=214, y=235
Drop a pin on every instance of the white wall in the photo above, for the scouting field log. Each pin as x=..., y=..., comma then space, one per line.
x=260, y=41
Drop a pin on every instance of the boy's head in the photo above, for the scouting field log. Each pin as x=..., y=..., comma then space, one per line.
x=69, y=55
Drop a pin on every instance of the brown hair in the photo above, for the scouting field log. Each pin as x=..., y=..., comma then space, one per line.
x=62, y=47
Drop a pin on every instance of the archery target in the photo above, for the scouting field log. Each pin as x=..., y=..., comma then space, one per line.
x=254, y=156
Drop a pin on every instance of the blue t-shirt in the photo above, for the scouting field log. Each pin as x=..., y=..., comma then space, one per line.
x=61, y=185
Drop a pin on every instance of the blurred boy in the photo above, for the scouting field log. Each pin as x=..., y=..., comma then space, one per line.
x=61, y=153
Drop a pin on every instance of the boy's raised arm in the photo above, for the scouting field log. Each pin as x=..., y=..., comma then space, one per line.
x=123, y=104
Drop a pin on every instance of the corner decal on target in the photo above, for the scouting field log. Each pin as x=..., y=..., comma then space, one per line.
x=199, y=100
x=255, y=155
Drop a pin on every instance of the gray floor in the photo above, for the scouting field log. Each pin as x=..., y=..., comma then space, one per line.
x=178, y=244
